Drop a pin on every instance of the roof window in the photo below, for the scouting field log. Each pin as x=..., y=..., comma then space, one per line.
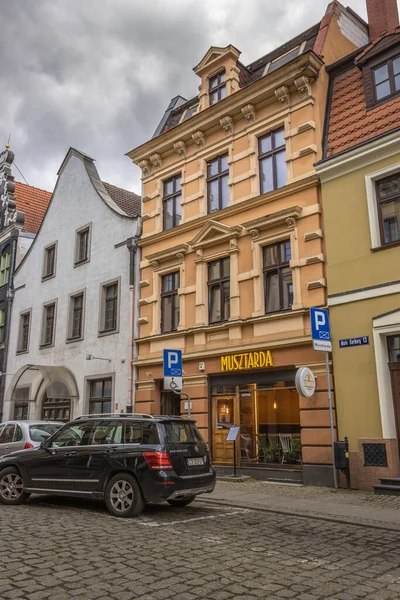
x=283, y=59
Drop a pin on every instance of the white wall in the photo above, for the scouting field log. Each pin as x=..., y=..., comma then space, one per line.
x=75, y=203
x=25, y=241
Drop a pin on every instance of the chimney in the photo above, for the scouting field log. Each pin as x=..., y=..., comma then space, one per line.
x=383, y=17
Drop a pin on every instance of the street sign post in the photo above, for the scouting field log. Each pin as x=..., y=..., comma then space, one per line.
x=172, y=370
x=322, y=341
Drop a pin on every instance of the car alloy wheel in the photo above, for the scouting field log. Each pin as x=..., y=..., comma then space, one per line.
x=122, y=495
x=11, y=487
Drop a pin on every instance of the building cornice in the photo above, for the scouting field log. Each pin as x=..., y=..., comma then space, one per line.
x=359, y=157
x=307, y=64
x=239, y=207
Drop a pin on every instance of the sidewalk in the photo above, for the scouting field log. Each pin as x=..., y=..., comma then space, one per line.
x=344, y=506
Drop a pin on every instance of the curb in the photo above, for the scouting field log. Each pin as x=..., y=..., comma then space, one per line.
x=304, y=515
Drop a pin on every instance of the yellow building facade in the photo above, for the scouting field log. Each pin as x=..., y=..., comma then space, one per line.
x=360, y=178
x=233, y=251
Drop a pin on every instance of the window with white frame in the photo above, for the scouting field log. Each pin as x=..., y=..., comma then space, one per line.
x=383, y=200
x=388, y=199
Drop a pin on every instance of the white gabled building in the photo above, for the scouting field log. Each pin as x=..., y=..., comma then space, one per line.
x=72, y=324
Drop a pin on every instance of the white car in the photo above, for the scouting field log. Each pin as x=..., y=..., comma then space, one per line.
x=21, y=435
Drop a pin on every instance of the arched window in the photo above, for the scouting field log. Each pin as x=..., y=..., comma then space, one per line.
x=4, y=267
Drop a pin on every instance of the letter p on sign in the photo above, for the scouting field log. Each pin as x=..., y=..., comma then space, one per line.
x=320, y=319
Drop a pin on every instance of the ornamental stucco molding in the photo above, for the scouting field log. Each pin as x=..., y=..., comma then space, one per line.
x=156, y=160
x=287, y=217
x=8, y=206
x=180, y=148
x=145, y=166
x=282, y=93
x=303, y=86
x=199, y=138
x=227, y=124
x=249, y=112
x=175, y=254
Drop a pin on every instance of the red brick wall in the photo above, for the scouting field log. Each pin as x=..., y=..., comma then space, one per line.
x=383, y=16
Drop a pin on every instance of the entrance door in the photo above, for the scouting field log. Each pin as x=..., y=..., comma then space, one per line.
x=394, y=367
x=225, y=414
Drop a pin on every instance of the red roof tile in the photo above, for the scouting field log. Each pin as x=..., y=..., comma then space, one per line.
x=33, y=202
x=350, y=123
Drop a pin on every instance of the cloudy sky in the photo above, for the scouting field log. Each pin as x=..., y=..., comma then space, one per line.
x=98, y=74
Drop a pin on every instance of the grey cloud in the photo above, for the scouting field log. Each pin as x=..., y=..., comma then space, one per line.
x=98, y=74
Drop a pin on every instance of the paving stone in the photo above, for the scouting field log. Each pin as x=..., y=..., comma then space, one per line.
x=90, y=556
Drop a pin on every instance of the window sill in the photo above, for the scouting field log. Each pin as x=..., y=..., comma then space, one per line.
x=46, y=277
x=44, y=346
x=107, y=332
x=379, y=103
x=75, y=339
x=386, y=246
x=18, y=352
x=79, y=263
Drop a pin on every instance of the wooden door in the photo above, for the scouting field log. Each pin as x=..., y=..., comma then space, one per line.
x=224, y=416
x=395, y=377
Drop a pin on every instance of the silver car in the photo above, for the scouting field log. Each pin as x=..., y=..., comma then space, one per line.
x=20, y=435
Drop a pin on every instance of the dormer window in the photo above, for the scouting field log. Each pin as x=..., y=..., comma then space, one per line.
x=217, y=88
x=386, y=79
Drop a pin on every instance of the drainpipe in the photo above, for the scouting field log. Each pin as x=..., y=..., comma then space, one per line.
x=10, y=298
x=134, y=310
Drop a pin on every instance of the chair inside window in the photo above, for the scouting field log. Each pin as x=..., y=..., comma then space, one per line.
x=245, y=446
x=285, y=440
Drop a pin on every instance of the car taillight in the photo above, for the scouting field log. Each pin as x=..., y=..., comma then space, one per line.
x=28, y=445
x=157, y=461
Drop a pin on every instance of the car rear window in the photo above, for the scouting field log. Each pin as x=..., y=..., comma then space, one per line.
x=41, y=431
x=177, y=432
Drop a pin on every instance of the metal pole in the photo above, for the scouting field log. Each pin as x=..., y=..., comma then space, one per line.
x=234, y=458
x=335, y=483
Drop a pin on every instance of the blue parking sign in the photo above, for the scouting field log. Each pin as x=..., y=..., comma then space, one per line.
x=320, y=329
x=172, y=369
x=172, y=363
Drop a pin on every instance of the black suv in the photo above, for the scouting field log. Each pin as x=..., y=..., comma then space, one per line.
x=125, y=460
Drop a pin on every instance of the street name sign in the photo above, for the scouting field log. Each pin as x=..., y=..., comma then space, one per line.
x=350, y=342
x=320, y=329
x=172, y=369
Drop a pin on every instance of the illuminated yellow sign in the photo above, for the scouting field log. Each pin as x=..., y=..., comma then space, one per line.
x=248, y=360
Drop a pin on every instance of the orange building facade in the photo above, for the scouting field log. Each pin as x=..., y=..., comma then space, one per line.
x=233, y=250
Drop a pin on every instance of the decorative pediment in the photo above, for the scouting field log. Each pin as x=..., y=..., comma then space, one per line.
x=286, y=217
x=216, y=55
x=175, y=254
x=213, y=233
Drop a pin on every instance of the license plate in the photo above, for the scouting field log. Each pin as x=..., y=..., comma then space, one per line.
x=194, y=462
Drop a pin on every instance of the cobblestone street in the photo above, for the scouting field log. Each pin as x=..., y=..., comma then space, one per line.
x=63, y=550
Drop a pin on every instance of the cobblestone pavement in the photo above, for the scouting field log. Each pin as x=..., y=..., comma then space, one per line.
x=63, y=550
x=340, y=496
